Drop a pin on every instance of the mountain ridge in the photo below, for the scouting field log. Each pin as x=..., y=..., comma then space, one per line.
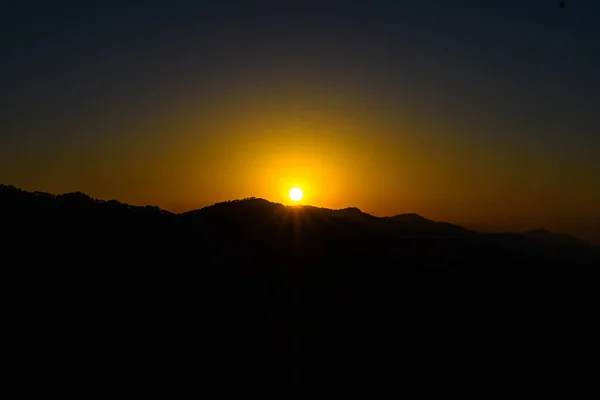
x=413, y=220
x=254, y=280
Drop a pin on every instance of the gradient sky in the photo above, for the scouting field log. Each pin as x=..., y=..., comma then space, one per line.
x=483, y=113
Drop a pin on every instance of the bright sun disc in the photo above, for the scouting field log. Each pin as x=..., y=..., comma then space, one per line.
x=296, y=194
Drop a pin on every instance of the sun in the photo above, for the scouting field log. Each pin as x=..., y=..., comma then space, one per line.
x=296, y=194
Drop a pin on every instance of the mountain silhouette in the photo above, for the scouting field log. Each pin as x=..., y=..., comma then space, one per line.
x=251, y=287
x=556, y=238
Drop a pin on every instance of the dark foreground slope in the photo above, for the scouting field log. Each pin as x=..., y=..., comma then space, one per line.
x=252, y=290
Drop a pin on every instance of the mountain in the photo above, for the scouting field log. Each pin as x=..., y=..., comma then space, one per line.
x=254, y=288
x=417, y=222
x=562, y=239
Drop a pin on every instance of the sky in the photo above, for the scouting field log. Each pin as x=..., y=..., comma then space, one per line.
x=482, y=113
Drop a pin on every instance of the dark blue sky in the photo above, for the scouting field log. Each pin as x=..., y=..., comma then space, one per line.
x=517, y=75
x=530, y=58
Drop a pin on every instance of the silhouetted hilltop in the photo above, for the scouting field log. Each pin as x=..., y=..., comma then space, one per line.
x=67, y=206
x=411, y=218
x=417, y=222
x=563, y=239
x=298, y=286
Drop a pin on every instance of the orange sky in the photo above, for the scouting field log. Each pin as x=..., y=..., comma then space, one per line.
x=483, y=115
x=341, y=151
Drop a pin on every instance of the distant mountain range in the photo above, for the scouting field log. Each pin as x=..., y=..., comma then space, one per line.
x=299, y=286
x=556, y=238
x=13, y=200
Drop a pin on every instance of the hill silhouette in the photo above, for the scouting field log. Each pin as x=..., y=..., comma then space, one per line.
x=298, y=291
